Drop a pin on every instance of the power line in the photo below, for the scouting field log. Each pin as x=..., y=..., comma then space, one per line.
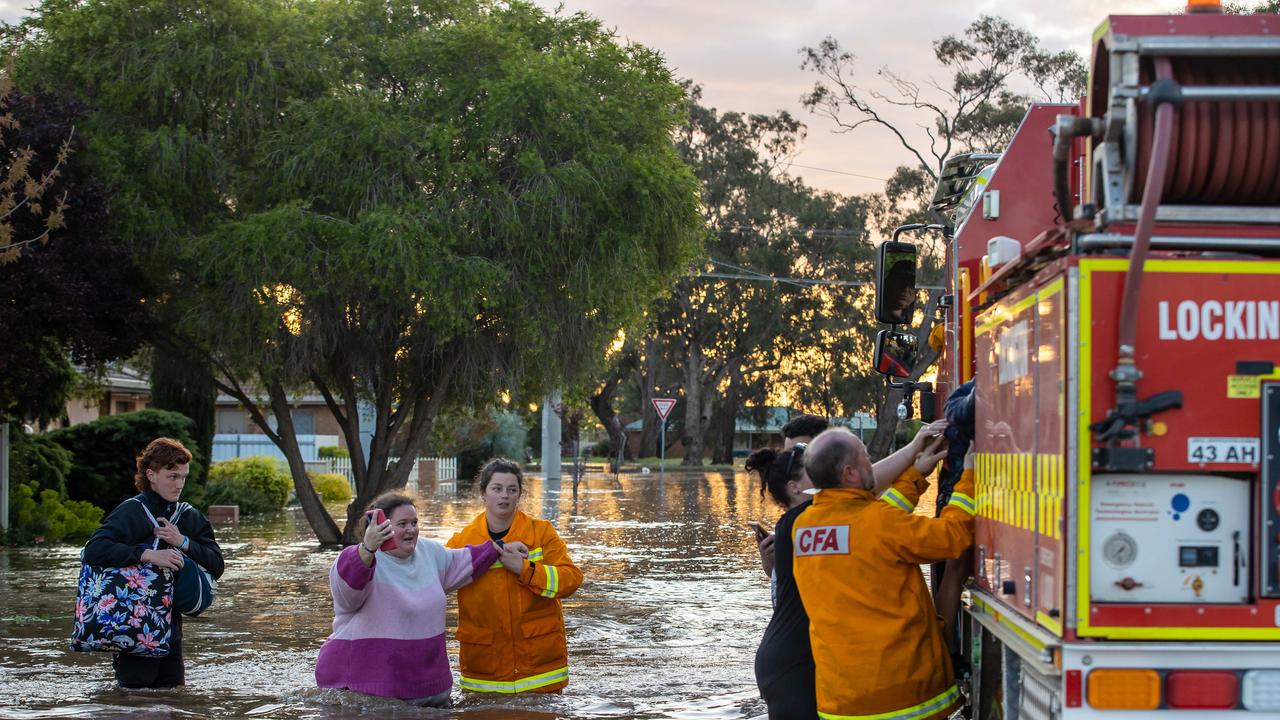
x=756, y=276
x=839, y=172
x=803, y=282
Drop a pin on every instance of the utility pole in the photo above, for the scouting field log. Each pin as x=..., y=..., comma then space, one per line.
x=4, y=477
x=551, y=436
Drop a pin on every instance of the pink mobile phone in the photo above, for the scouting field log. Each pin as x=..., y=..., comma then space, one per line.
x=377, y=517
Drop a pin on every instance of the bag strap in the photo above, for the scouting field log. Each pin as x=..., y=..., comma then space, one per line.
x=156, y=544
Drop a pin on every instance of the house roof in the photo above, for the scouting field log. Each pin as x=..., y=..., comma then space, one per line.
x=118, y=377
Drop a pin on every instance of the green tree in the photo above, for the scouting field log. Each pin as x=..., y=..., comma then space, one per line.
x=404, y=206
x=733, y=329
x=995, y=70
x=977, y=110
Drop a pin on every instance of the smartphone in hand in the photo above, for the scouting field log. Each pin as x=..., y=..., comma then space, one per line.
x=377, y=517
x=760, y=530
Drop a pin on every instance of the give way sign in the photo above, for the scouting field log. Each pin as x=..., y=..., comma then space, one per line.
x=663, y=406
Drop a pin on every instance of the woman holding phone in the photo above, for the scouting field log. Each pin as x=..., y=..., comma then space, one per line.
x=510, y=627
x=389, y=606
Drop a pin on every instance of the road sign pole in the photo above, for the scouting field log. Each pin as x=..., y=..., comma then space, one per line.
x=662, y=453
x=662, y=406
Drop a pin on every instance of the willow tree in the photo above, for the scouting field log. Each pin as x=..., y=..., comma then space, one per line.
x=401, y=206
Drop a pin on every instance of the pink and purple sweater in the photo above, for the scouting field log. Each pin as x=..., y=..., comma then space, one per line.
x=388, y=625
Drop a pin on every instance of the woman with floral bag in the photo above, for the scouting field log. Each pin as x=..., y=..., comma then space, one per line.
x=139, y=532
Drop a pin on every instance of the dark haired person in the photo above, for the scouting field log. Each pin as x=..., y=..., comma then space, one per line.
x=877, y=643
x=802, y=429
x=127, y=534
x=784, y=661
x=510, y=627
x=389, y=607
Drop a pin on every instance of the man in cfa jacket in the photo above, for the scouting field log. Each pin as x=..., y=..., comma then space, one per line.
x=877, y=641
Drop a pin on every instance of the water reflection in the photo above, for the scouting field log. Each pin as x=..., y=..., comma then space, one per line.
x=665, y=626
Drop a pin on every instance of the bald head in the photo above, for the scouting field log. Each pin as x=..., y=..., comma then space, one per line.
x=837, y=458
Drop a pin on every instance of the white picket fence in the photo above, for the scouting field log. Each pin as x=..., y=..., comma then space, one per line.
x=446, y=472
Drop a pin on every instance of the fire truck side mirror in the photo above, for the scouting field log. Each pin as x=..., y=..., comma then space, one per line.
x=895, y=353
x=895, y=283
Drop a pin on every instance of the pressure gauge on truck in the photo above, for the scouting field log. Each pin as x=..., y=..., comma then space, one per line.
x=1120, y=550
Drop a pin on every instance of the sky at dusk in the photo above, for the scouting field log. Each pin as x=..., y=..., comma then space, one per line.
x=745, y=55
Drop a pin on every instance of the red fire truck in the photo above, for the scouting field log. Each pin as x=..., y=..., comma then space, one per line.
x=1113, y=289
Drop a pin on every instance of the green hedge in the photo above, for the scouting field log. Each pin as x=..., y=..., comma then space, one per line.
x=38, y=460
x=38, y=505
x=43, y=516
x=257, y=484
x=104, y=452
x=332, y=487
x=333, y=451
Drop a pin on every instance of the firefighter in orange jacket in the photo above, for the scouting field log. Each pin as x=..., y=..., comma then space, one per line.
x=510, y=628
x=877, y=640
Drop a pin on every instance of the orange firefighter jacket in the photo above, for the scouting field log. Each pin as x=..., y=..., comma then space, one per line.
x=877, y=639
x=510, y=628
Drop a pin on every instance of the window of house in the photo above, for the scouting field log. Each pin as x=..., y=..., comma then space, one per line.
x=304, y=421
x=123, y=406
x=231, y=421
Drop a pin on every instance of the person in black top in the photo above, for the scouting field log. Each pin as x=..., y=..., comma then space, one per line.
x=126, y=537
x=784, y=661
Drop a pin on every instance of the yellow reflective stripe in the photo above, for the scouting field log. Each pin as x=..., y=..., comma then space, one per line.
x=897, y=499
x=964, y=502
x=496, y=564
x=515, y=686
x=535, y=554
x=924, y=709
x=553, y=581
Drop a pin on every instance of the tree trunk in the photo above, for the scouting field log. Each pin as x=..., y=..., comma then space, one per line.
x=322, y=524
x=694, y=428
x=182, y=382
x=602, y=406
x=646, y=378
x=726, y=421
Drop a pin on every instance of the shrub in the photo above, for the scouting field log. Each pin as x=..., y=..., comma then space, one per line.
x=333, y=451
x=256, y=484
x=103, y=452
x=332, y=487
x=37, y=459
x=235, y=491
x=44, y=516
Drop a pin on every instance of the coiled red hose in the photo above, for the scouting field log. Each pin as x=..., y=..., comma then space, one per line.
x=1221, y=153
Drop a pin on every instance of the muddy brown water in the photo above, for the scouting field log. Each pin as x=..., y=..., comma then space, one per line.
x=665, y=626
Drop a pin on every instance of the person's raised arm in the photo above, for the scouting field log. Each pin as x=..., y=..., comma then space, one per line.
x=889, y=469
x=918, y=539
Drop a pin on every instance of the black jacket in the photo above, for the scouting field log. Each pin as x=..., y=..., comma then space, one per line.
x=127, y=532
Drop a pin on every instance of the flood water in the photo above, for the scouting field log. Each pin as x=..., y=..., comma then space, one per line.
x=665, y=625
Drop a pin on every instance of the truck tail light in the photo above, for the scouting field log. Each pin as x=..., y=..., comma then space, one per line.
x=1201, y=689
x=1124, y=689
x=1261, y=690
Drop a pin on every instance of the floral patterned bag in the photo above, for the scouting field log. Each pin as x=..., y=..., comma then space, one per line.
x=127, y=610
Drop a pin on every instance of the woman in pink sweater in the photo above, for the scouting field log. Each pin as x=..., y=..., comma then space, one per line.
x=389, y=607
